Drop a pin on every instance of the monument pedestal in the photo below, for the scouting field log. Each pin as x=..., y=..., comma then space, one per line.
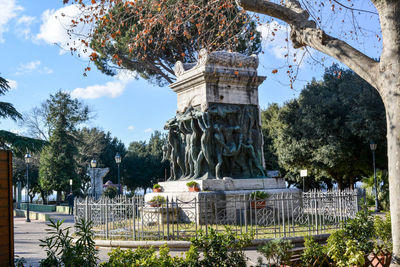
x=228, y=198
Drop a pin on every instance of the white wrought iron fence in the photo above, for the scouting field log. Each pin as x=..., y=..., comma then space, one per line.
x=280, y=215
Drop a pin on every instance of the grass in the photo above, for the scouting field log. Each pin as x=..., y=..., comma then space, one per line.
x=185, y=231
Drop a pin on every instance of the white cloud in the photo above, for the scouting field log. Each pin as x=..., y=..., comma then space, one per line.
x=23, y=27
x=131, y=128
x=148, y=130
x=276, y=40
x=30, y=67
x=16, y=131
x=55, y=26
x=111, y=89
x=13, y=84
x=8, y=10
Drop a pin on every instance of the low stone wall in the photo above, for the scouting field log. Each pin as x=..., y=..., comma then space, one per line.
x=62, y=209
x=38, y=207
x=33, y=215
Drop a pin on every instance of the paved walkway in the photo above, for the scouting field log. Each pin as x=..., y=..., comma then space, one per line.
x=27, y=236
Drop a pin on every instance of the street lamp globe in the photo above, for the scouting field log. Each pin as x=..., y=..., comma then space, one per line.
x=373, y=145
x=28, y=158
x=118, y=158
x=93, y=163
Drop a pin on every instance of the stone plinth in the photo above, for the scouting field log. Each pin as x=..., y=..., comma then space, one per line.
x=226, y=184
x=227, y=196
x=218, y=77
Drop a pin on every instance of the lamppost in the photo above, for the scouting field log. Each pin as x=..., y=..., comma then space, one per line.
x=93, y=164
x=70, y=186
x=28, y=159
x=118, y=161
x=373, y=146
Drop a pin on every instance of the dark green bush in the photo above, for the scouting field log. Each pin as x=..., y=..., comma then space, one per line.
x=110, y=192
x=146, y=257
x=313, y=252
x=215, y=249
x=61, y=250
x=277, y=252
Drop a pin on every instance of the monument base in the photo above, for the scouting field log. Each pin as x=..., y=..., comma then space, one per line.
x=229, y=197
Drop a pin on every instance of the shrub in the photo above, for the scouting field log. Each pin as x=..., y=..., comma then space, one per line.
x=313, y=252
x=60, y=249
x=219, y=248
x=259, y=195
x=143, y=257
x=192, y=184
x=156, y=186
x=383, y=232
x=361, y=230
x=110, y=192
x=277, y=252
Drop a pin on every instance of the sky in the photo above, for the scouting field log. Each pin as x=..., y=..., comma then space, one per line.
x=34, y=60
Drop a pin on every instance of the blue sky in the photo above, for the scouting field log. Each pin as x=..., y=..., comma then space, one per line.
x=129, y=108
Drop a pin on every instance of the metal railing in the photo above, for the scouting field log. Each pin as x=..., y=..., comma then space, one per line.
x=280, y=215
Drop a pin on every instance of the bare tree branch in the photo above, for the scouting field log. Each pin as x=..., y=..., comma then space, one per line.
x=304, y=32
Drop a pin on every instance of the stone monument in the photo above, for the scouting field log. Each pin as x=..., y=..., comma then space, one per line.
x=96, y=180
x=216, y=132
x=215, y=138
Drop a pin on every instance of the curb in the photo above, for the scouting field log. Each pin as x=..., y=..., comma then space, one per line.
x=297, y=241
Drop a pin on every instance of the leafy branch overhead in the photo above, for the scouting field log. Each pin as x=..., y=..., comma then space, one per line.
x=148, y=37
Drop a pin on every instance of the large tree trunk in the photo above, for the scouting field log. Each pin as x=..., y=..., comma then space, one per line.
x=383, y=75
x=393, y=141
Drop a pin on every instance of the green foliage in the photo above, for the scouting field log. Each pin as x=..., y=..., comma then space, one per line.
x=277, y=251
x=143, y=165
x=58, y=159
x=259, y=195
x=361, y=230
x=7, y=110
x=93, y=143
x=156, y=186
x=192, y=184
x=383, y=232
x=382, y=179
x=330, y=140
x=61, y=250
x=158, y=200
x=312, y=252
x=218, y=249
x=349, y=245
x=110, y=192
x=145, y=257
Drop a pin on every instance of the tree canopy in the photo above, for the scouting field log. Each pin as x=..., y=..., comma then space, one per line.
x=58, y=159
x=143, y=165
x=330, y=140
x=149, y=37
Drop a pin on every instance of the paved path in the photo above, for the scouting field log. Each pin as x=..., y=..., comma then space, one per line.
x=27, y=236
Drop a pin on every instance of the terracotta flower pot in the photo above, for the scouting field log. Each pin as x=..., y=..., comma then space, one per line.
x=258, y=204
x=155, y=204
x=194, y=189
x=156, y=190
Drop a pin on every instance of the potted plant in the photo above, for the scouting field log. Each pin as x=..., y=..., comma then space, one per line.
x=258, y=199
x=193, y=186
x=157, y=201
x=157, y=188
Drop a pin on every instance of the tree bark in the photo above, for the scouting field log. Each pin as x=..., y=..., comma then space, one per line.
x=383, y=75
